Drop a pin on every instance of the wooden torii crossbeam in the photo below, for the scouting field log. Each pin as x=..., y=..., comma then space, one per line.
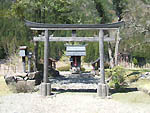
x=73, y=39
x=102, y=89
x=43, y=26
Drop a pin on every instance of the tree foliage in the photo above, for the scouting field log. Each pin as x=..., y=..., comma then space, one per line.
x=137, y=29
x=14, y=33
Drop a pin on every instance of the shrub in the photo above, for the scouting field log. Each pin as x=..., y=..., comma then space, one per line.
x=64, y=68
x=82, y=69
x=117, y=75
x=135, y=62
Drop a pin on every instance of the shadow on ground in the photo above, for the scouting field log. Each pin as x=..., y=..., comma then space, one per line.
x=123, y=90
x=134, y=73
x=111, y=91
x=75, y=90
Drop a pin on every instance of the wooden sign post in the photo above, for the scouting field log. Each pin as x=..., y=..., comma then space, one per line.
x=23, y=53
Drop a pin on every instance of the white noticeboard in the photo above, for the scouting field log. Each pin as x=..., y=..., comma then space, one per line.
x=22, y=53
x=76, y=48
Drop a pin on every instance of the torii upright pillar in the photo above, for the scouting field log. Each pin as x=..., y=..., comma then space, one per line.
x=45, y=86
x=102, y=89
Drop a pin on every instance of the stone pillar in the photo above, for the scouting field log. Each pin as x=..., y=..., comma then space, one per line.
x=102, y=89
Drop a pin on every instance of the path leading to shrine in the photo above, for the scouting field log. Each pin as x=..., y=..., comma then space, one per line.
x=75, y=82
x=69, y=98
x=66, y=103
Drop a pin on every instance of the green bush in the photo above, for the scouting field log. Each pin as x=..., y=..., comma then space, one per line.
x=82, y=69
x=64, y=68
x=117, y=75
x=135, y=62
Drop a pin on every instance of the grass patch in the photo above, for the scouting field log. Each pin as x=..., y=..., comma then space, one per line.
x=143, y=84
x=132, y=97
x=4, y=90
x=132, y=77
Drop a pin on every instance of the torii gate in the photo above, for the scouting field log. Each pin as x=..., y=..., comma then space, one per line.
x=102, y=89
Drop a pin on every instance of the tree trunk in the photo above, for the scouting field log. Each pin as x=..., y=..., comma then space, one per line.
x=110, y=55
x=116, y=48
x=35, y=55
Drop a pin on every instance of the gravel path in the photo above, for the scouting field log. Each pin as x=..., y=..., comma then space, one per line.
x=66, y=103
x=80, y=82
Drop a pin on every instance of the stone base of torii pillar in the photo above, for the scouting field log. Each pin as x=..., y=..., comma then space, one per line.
x=103, y=90
x=45, y=89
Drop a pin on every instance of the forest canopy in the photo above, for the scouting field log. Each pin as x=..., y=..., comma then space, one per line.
x=134, y=35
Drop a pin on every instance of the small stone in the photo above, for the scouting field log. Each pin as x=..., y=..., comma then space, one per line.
x=147, y=73
x=109, y=97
